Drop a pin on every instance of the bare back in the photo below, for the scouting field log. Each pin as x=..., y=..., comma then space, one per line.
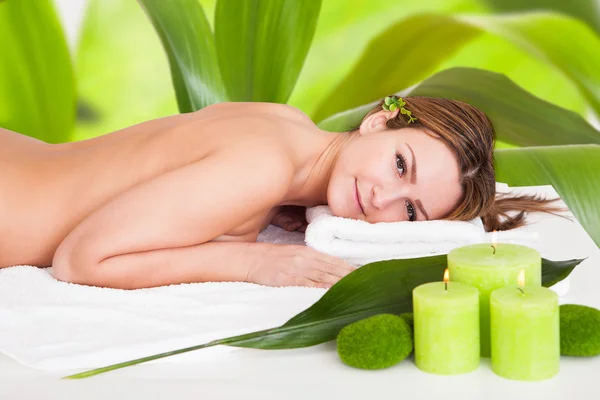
x=47, y=190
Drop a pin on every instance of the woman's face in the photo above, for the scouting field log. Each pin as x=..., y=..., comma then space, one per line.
x=398, y=175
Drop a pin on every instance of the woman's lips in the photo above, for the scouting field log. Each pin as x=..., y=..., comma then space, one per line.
x=357, y=196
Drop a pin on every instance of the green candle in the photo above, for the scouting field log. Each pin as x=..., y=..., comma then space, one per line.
x=525, y=333
x=446, y=327
x=489, y=267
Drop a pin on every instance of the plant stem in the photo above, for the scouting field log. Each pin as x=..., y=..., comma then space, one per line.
x=139, y=361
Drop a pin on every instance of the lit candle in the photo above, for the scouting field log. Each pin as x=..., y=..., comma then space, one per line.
x=489, y=267
x=446, y=327
x=525, y=332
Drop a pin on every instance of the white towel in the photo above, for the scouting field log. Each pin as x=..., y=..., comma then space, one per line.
x=53, y=325
x=359, y=242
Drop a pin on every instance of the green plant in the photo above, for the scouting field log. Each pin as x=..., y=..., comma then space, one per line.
x=36, y=76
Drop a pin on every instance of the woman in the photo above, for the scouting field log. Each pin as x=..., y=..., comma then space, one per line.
x=183, y=198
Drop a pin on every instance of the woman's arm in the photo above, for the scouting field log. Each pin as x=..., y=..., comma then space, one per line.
x=268, y=264
x=206, y=262
x=135, y=233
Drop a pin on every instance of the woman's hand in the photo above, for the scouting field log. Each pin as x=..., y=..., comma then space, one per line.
x=291, y=218
x=296, y=265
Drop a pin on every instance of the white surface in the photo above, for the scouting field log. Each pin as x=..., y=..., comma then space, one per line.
x=317, y=372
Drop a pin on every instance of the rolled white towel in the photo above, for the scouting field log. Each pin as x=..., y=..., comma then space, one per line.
x=360, y=242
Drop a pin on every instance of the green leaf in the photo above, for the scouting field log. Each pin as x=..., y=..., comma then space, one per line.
x=424, y=41
x=262, y=44
x=189, y=43
x=495, y=54
x=419, y=44
x=585, y=10
x=122, y=72
x=36, y=76
x=571, y=170
x=375, y=288
x=518, y=117
x=550, y=37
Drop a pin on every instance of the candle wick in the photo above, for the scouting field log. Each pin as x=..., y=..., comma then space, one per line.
x=446, y=285
x=522, y=292
x=494, y=247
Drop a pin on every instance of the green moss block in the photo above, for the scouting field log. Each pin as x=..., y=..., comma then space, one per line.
x=408, y=318
x=579, y=330
x=376, y=342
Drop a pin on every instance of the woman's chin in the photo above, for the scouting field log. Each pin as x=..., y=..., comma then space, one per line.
x=342, y=212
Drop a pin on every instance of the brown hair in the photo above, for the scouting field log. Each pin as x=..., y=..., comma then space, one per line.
x=469, y=133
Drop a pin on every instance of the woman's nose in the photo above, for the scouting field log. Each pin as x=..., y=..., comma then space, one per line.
x=383, y=197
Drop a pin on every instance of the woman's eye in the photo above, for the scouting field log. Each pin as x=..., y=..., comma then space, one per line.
x=410, y=210
x=400, y=163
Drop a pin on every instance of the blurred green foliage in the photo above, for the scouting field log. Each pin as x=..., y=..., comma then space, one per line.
x=122, y=72
x=37, y=88
x=136, y=86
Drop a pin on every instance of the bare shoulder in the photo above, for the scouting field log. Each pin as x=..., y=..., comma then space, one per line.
x=263, y=139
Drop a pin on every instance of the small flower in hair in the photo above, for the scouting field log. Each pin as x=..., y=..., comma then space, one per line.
x=392, y=103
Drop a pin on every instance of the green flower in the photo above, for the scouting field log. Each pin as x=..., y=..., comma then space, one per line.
x=392, y=103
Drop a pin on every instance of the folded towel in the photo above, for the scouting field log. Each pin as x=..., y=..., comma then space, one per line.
x=359, y=242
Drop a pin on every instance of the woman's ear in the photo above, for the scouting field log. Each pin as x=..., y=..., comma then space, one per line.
x=376, y=122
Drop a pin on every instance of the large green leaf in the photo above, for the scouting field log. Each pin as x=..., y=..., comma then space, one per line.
x=262, y=44
x=343, y=33
x=495, y=54
x=189, y=43
x=518, y=117
x=380, y=287
x=571, y=170
x=585, y=10
x=36, y=76
x=122, y=72
x=401, y=56
x=565, y=42
x=385, y=69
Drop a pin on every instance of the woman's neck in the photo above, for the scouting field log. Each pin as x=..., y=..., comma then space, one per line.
x=310, y=183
